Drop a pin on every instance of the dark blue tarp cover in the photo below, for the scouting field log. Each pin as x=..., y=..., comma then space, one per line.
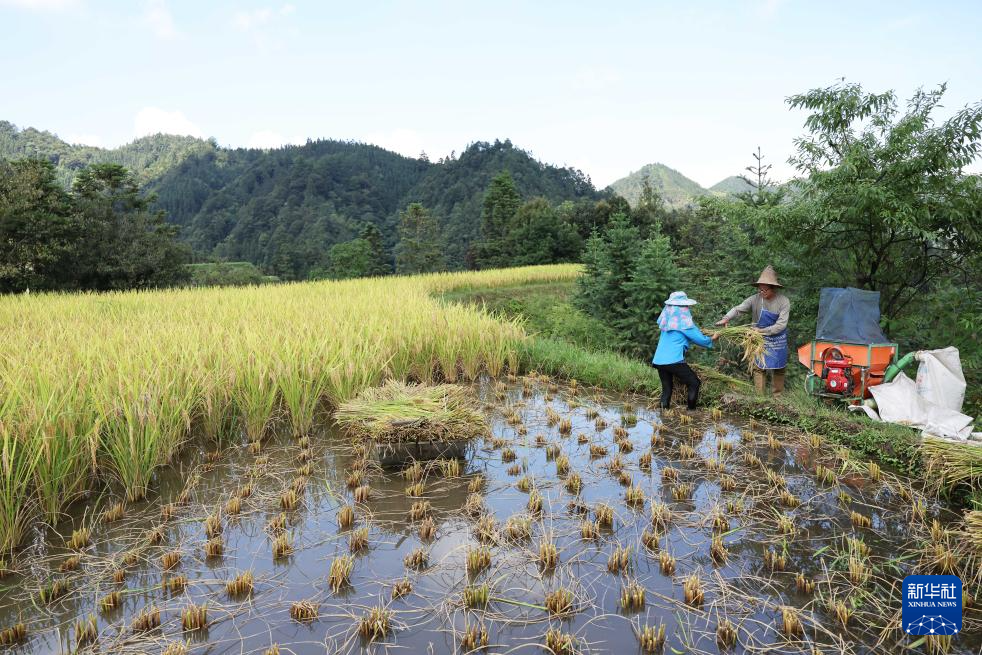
x=849, y=315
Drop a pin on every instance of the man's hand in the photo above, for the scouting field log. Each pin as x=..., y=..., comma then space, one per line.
x=723, y=321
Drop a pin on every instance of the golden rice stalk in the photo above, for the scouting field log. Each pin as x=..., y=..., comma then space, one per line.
x=694, y=594
x=747, y=338
x=559, y=602
x=148, y=619
x=375, y=624
x=726, y=634
x=652, y=639
x=560, y=643
x=952, y=464
x=194, y=617
x=402, y=588
x=474, y=637
x=304, y=611
x=340, y=573
x=632, y=597
x=240, y=585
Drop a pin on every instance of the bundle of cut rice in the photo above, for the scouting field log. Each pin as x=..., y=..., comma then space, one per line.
x=747, y=338
x=396, y=412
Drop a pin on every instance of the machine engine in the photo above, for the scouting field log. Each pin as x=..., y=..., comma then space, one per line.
x=837, y=372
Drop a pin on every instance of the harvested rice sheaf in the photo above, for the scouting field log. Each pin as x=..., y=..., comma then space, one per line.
x=397, y=412
x=745, y=337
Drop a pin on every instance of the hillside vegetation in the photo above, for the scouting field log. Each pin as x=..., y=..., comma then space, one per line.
x=283, y=209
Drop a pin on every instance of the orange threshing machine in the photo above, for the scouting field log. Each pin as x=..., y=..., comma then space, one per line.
x=850, y=353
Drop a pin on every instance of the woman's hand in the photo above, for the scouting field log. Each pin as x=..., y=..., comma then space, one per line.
x=714, y=337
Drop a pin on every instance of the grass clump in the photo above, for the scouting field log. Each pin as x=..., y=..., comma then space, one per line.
x=652, y=639
x=560, y=643
x=194, y=617
x=559, y=602
x=476, y=596
x=402, y=588
x=473, y=638
x=304, y=611
x=148, y=619
x=340, y=573
x=241, y=585
x=375, y=624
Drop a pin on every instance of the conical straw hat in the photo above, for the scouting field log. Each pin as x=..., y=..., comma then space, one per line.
x=769, y=276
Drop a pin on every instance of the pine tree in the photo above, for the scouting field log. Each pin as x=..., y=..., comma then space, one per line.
x=379, y=262
x=501, y=203
x=647, y=215
x=653, y=279
x=592, y=285
x=420, y=248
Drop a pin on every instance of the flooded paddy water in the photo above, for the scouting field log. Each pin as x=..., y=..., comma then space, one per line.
x=586, y=522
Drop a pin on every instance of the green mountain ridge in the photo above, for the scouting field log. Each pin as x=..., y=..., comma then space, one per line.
x=732, y=186
x=675, y=188
x=282, y=209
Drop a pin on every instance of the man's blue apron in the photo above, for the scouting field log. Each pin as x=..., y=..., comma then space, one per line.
x=775, y=345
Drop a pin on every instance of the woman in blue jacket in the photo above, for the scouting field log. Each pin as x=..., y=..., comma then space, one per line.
x=678, y=331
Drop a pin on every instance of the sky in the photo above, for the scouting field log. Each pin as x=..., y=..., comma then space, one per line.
x=603, y=87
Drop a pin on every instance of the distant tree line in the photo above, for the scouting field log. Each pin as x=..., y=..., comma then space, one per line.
x=101, y=235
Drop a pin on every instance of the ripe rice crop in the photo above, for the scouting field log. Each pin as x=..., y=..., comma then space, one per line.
x=149, y=368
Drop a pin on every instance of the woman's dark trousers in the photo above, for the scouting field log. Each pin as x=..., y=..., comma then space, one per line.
x=685, y=374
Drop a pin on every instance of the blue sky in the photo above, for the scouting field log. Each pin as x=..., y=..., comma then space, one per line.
x=605, y=87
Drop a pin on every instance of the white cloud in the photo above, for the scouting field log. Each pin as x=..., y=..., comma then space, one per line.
x=768, y=8
x=40, y=5
x=250, y=20
x=597, y=77
x=85, y=140
x=266, y=139
x=157, y=15
x=152, y=120
x=247, y=20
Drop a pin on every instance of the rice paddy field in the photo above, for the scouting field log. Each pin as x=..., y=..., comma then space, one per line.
x=173, y=482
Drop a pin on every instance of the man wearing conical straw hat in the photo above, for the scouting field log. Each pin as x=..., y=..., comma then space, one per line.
x=769, y=309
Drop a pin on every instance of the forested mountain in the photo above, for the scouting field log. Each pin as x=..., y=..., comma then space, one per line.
x=147, y=158
x=674, y=188
x=733, y=185
x=283, y=209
